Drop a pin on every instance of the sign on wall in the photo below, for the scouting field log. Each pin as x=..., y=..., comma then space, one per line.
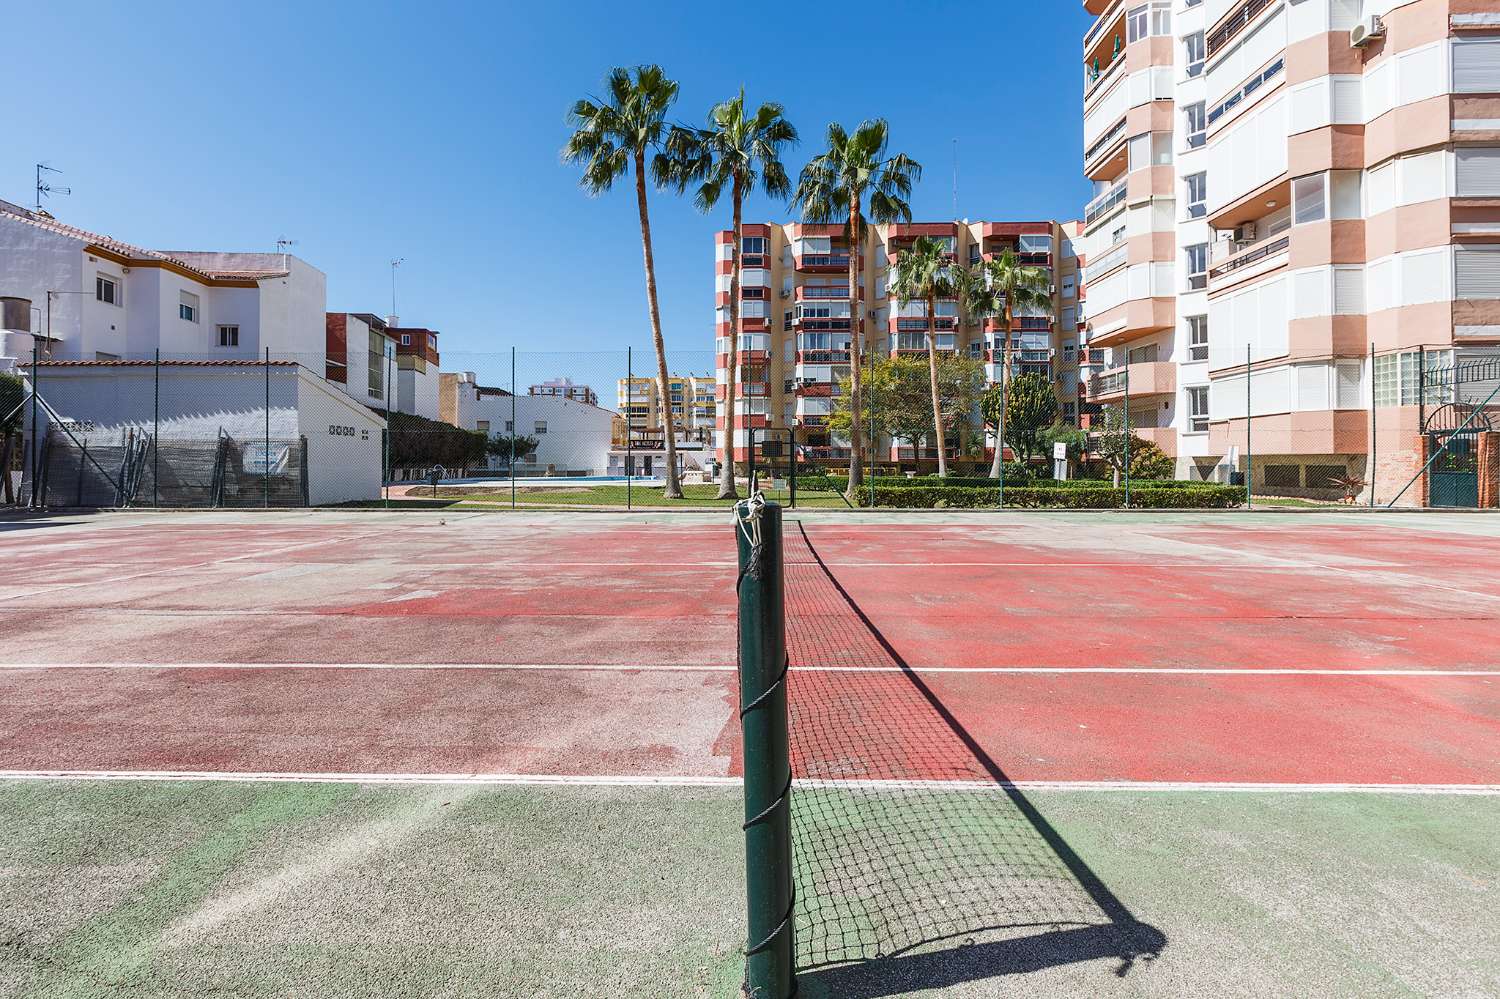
x=258, y=459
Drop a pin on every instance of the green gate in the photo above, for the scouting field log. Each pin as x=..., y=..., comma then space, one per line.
x=1454, y=477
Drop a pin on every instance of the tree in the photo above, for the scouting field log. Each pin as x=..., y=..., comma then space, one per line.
x=12, y=395
x=998, y=290
x=505, y=445
x=1121, y=449
x=898, y=400
x=1030, y=407
x=835, y=187
x=734, y=152
x=922, y=272
x=1074, y=440
x=611, y=138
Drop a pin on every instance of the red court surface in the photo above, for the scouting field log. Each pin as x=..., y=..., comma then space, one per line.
x=1283, y=649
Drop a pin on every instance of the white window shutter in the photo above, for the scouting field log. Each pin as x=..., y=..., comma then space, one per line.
x=1476, y=66
x=1478, y=172
x=1349, y=394
x=1476, y=269
x=1348, y=291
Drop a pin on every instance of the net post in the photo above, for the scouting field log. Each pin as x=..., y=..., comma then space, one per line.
x=769, y=895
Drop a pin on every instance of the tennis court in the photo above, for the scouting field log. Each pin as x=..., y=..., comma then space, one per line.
x=360, y=753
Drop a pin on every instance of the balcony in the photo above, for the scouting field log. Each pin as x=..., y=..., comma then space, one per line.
x=1104, y=204
x=1114, y=139
x=1230, y=27
x=823, y=263
x=1250, y=255
x=822, y=292
x=822, y=357
x=1142, y=379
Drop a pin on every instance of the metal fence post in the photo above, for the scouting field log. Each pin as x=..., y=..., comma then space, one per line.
x=513, y=428
x=1000, y=440
x=1374, y=448
x=1249, y=454
x=155, y=429
x=266, y=476
x=870, y=393
x=792, y=458
x=36, y=464
x=630, y=436
x=1127, y=428
x=385, y=444
x=769, y=895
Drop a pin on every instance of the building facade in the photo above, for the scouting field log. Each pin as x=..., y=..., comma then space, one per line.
x=1295, y=224
x=564, y=388
x=573, y=437
x=416, y=368
x=691, y=398
x=361, y=357
x=795, y=324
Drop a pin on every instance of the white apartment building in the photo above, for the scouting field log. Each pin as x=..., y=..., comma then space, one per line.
x=1294, y=187
x=573, y=437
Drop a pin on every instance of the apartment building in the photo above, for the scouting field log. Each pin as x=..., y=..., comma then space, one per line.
x=1295, y=219
x=564, y=388
x=573, y=436
x=361, y=357
x=692, y=402
x=795, y=324
x=416, y=368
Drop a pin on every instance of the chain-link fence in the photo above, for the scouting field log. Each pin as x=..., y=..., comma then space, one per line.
x=401, y=425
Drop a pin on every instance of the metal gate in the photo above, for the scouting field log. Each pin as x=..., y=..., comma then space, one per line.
x=773, y=458
x=1452, y=432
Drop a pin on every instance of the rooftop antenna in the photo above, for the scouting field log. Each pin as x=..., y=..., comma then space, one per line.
x=394, y=264
x=281, y=247
x=955, y=178
x=44, y=189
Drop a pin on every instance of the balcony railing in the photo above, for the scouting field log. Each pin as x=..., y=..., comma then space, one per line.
x=1104, y=141
x=826, y=260
x=1106, y=262
x=1234, y=25
x=1105, y=20
x=822, y=357
x=1104, y=203
x=1267, y=249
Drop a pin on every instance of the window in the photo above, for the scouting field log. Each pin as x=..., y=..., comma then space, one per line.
x=1196, y=125
x=1478, y=171
x=1070, y=286
x=187, y=307
x=1197, y=194
x=1069, y=349
x=483, y=426
x=229, y=336
x=753, y=244
x=1197, y=338
x=786, y=320
x=1197, y=407
x=1194, y=52
x=1197, y=266
x=1138, y=23
x=1476, y=270
x=1476, y=66
x=1070, y=411
x=510, y=427
x=1307, y=199
x=406, y=339
x=107, y=290
x=539, y=427
x=432, y=341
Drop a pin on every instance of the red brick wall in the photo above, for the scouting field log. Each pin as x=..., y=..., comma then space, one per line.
x=1489, y=469
x=337, y=324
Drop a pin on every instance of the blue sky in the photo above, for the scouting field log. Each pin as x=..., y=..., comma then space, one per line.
x=431, y=132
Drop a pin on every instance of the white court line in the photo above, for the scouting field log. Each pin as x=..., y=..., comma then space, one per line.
x=55, y=587
x=667, y=780
x=709, y=668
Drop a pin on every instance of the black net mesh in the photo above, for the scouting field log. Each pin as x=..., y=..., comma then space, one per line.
x=951, y=855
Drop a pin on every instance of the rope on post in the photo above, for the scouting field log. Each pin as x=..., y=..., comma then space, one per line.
x=763, y=664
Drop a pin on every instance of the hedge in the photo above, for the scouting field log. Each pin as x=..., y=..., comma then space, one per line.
x=1010, y=483
x=1092, y=497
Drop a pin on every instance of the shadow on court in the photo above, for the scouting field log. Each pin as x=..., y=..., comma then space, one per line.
x=948, y=875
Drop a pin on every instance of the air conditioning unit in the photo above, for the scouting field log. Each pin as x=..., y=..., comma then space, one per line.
x=1366, y=31
x=1245, y=233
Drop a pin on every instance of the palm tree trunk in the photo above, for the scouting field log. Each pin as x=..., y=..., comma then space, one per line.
x=856, y=328
x=726, y=473
x=997, y=467
x=937, y=407
x=674, y=487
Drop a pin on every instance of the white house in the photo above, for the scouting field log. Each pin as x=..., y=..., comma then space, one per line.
x=98, y=298
x=573, y=437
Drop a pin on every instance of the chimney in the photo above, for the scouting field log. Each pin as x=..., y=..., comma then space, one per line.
x=16, y=341
x=15, y=314
x=393, y=320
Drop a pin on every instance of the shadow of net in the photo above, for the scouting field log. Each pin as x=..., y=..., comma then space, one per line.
x=956, y=858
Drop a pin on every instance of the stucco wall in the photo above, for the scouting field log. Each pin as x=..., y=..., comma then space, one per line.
x=577, y=437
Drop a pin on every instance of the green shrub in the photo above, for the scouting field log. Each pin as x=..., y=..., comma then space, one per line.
x=1090, y=496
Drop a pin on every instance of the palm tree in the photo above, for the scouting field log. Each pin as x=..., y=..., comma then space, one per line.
x=835, y=186
x=1000, y=288
x=924, y=273
x=733, y=152
x=611, y=137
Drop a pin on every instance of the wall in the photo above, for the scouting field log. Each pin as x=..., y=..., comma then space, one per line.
x=344, y=443
x=31, y=262
x=577, y=437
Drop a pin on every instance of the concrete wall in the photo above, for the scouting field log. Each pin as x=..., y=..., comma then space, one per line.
x=344, y=449
x=32, y=261
x=417, y=391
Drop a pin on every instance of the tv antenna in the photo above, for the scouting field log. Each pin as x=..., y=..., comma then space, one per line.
x=282, y=245
x=44, y=189
x=955, y=178
x=394, y=264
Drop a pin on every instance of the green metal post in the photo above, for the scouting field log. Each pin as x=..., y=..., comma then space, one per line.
x=36, y=460
x=874, y=439
x=769, y=895
x=1249, y=460
x=156, y=430
x=1000, y=440
x=513, y=428
x=266, y=478
x=630, y=437
x=1374, y=447
x=385, y=442
x=1127, y=428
